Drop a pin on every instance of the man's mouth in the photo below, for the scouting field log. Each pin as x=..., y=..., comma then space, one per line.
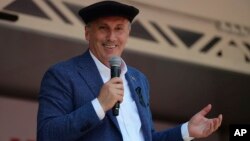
x=110, y=46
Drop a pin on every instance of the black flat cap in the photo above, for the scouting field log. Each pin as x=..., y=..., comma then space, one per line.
x=107, y=8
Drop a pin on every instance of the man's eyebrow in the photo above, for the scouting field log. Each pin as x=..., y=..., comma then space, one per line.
x=101, y=23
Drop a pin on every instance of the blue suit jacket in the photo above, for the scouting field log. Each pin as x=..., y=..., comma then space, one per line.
x=66, y=113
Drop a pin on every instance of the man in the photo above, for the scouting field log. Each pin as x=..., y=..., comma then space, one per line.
x=77, y=96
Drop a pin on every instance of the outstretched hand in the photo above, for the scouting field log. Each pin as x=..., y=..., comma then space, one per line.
x=199, y=126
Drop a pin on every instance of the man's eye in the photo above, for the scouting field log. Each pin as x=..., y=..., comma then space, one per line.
x=119, y=28
x=102, y=27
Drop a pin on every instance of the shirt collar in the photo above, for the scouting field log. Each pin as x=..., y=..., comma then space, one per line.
x=105, y=71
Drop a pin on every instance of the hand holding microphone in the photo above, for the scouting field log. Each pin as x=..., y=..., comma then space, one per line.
x=115, y=67
x=112, y=92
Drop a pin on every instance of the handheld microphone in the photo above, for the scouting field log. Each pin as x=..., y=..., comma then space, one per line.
x=115, y=67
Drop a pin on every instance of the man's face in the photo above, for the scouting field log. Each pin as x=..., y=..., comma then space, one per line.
x=107, y=37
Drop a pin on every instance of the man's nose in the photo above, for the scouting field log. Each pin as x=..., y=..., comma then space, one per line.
x=111, y=36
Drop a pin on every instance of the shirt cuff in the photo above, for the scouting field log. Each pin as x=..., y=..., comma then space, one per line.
x=185, y=133
x=98, y=108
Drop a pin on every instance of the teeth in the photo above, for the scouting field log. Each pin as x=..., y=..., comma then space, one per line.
x=109, y=46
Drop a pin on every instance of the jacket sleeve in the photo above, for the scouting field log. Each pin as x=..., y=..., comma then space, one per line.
x=58, y=119
x=172, y=134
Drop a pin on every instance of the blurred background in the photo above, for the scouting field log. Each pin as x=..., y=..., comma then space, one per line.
x=193, y=52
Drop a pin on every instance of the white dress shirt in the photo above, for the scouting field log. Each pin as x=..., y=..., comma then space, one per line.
x=128, y=118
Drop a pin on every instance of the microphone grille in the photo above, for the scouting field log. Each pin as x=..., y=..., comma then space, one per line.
x=115, y=61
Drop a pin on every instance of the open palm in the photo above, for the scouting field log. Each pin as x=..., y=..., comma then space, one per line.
x=199, y=126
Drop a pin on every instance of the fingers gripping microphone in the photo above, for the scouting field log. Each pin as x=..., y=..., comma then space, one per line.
x=115, y=66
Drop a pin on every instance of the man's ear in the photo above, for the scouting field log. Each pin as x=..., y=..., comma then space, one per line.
x=129, y=28
x=87, y=33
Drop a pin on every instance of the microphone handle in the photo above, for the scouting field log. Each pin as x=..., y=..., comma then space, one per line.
x=115, y=72
x=116, y=108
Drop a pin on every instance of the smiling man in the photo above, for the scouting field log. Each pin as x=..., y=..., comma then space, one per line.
x=77, y=96
x=107, y=37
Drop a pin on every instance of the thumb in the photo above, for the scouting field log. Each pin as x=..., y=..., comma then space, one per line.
x=205, y=110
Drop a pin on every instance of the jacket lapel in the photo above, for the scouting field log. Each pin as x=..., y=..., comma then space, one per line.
x=135, y=87
x=91, y=75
